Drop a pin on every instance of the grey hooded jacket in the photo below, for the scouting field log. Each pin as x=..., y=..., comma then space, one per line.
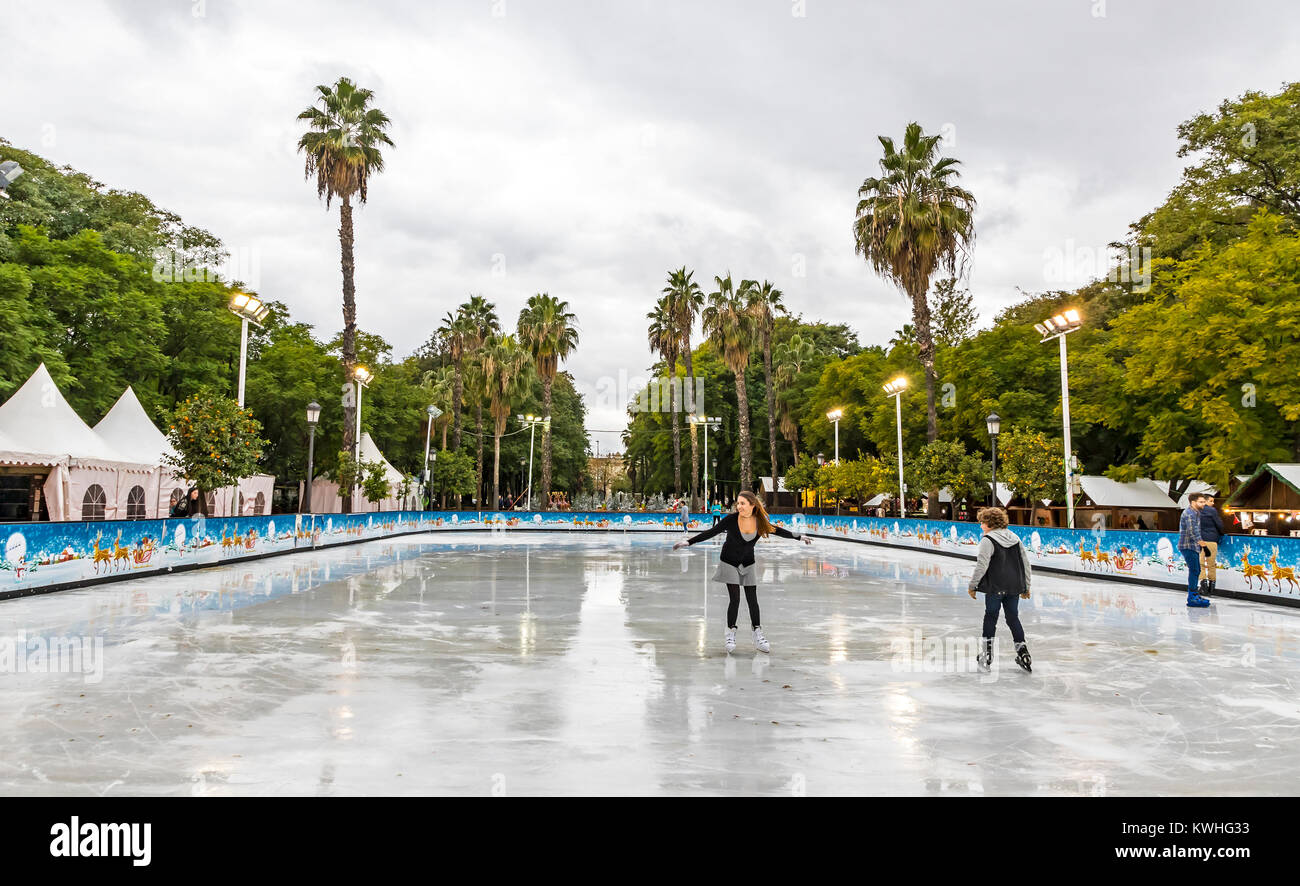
x=1004, y=538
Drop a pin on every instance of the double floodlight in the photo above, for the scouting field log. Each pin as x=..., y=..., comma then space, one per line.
x=896, y=387
x=712, y=421
x=531, y=419
x=362, y=374
x=1063, y=323
x=249, y=307
x=835, y=414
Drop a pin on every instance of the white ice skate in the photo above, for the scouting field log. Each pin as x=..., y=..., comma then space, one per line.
x=760, y=642
x=730, y=643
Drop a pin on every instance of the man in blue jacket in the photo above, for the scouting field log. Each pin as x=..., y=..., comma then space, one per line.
x=1211, y=532
x=1189, y=545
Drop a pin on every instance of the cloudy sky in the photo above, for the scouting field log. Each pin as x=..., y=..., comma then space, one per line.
x=584, y=149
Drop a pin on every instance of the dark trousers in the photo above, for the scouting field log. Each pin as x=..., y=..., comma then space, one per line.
x=1193, y=559
x=733, y=607
x=1010, y=605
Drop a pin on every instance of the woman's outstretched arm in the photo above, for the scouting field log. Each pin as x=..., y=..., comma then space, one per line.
x=720, y=526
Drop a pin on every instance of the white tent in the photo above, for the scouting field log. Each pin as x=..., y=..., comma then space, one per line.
x=1140, y=494
x=325, y=497
x=40, y=429
x=127, y=429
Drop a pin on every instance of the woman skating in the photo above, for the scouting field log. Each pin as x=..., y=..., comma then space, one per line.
x=737, y=567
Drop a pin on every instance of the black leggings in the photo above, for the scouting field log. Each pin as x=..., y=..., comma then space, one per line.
x=733, y=608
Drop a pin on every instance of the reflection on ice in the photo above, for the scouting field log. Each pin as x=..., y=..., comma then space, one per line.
x=590, y=663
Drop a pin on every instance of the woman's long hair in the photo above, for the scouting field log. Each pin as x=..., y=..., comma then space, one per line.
x=760, y=513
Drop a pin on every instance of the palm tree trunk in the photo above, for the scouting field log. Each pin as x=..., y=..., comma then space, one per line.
x=349, y=329
x=458, y=395
x=771, y=408
x=677, y=431
x=693, y=408
x=746, y=456
x=496, y=470
x=925, y=343
x=547, y=382
x=478, y=464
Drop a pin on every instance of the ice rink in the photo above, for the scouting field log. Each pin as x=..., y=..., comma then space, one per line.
x=592, y=663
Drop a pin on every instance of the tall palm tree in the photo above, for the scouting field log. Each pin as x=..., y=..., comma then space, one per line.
x=686, y=300
x=912, y=221
x=730, y=325
x=342, y=147
x=764, y=302
x=505, y=372
x=549, y=332
x=481, y=323
x=455, y=332
x=664, y=340
x=791, y=358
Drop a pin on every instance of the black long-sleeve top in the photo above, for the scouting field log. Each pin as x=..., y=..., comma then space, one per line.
x=735, y=549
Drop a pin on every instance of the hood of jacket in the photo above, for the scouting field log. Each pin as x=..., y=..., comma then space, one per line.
x=1004, y=537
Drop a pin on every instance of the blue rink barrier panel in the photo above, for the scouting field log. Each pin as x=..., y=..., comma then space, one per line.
x=47, y=555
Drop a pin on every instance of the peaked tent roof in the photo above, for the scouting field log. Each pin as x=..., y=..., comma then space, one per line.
x=1288, y=473
x=41, y=425
x=370, y=452
x=127, y=429
x=1107, y=493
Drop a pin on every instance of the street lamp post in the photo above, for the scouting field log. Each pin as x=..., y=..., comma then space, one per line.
x=1058, y=327
x=434, y=412
x=362, y=376
x=313, y=418
x=835, y=415
x=895, y=389
x=995, y=426
x=708, y=421
x=249, y=309
x=532, y=421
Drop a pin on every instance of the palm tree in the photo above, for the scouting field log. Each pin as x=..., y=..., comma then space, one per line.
x=455, y=332
x=730, y=325
x=912, y=221
x=664, y=340
x=791, y=358
x=440, y=384
x=342, y=147
x=505, y=372
x=764, y=302
x=549, y=332
x=687, y=300
x=481, y=323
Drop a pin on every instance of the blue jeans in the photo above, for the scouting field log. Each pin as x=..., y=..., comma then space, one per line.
x=1009, y=604
x=1193, y=559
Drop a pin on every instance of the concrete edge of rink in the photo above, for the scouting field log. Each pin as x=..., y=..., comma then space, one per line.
x=1181, y=587
x=186, y=567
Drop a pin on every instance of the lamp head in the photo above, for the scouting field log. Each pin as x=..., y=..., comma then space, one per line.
x=994, y=424
x=313, y=412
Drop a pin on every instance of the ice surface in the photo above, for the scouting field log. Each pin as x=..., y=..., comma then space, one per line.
x=570, y=663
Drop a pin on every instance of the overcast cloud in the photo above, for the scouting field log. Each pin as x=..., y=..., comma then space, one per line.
x=584, y=149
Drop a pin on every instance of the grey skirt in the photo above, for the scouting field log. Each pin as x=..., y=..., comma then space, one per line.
x=736, y=575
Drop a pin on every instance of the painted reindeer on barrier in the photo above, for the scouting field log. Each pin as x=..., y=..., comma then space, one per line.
x=1086, y=556
x=121, y=553
x=101, y=555
x=1250, y=571
x=1281, y=572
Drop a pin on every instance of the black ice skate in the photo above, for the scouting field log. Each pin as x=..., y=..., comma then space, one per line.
x=1022, y=657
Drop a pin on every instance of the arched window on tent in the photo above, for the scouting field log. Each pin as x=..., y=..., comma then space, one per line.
x=135, y=503
x=93, y=503
x=259, y=504
x=212, y=503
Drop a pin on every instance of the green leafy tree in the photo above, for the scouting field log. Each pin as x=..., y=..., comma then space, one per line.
x=1030, y=465
x=953, y=313
x=217, y=444
x=453, y=475
x=374, y=482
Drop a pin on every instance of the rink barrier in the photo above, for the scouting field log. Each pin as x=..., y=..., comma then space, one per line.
x=43, y=557
x=1249, y=567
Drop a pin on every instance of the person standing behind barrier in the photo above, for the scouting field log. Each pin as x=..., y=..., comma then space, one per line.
x=1190, y=545
x=1211, y=532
